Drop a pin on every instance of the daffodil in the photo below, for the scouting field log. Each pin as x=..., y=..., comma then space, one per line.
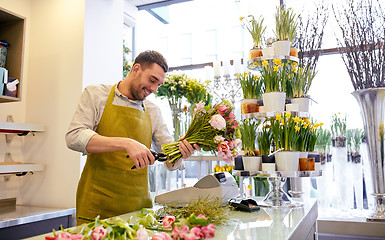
x=276, y=68
x=277, y=61
x=278, y=116
x=297, y=128
x=265, y=63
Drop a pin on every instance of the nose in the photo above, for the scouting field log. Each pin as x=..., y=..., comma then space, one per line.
x=154, y=88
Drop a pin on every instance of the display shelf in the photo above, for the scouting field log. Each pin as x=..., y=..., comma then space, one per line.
x=284, y=174
x=20, y=128
x=256, y=63
x=272, y=114
x=20, y=169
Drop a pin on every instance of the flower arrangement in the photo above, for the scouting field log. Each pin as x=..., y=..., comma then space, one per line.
x=213, y=128
x=197, y=92
x=302, y=80
x=146, y=224
x=174, y=88
x=275, y=75
x=252, y=86
x=256, y=29
x=264, y=140
x=286, y=23
x=248, y=131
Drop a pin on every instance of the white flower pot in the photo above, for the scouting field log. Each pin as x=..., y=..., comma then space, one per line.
x=303, y=154
x=303, y=103
x=251, y=163
x=268, y=52
x=287, y=160
x=292, y=107
x=274, y=101
x=282, y=48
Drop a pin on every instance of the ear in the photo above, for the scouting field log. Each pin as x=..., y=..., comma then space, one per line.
x=136, y=67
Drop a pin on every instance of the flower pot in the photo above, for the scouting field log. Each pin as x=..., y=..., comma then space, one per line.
x=340, y=142
x=268, y=52
x=292, y=107
x=255, y=52
x=282, y=48
x=317, y=160
x=268, y=163
x=294, y=52
x=303, y=154
x=238, y=163
x=274, y=101
x=306, y=164
x=303, y=103
x=249, y=105
x=287, y=160
x=251, y=163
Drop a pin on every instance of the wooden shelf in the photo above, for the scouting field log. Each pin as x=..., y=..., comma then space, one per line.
x=20, y=168
x=20, y=128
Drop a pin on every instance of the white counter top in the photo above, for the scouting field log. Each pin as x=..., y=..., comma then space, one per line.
x=267, y=223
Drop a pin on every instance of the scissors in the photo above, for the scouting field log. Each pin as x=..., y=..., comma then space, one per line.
x=161, y=157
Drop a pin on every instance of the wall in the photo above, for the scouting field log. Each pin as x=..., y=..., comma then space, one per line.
x=69, y=44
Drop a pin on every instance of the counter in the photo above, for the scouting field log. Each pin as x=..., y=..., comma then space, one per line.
x=26, y=221
x=268, y=223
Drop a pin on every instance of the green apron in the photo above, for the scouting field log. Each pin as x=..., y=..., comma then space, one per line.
x=108, y=187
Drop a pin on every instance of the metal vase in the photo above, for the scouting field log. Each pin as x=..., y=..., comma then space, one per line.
x=372, y=104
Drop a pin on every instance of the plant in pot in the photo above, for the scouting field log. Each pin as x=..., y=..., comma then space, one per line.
x=284, y=130
x=248, y=131
x=252, y=88
x=274, y=77
x=301, y=82
x=286, y=23
x=313, y=161
x=264, y=140
x=322, y=143
x=256, y=29
x=338, y=129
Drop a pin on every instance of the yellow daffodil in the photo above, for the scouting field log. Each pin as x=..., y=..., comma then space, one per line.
x=294, y=64
x=295, y=70
x=249, y=187
x=297, y=128
x=276, y=68
x=277, y=61
x=297, y=119
x=287, y=114
x=241, y=18
x=278, y=116
x=265, y=63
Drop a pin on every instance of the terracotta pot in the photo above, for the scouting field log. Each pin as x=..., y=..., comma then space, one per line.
x=306, y=164
x=249, y=105
x=294, y=52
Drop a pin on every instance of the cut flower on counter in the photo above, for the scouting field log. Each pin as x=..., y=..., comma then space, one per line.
x=213, y=128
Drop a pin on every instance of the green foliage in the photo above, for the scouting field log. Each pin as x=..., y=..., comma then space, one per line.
x=338, y=125
x=126, y=60
x=286, y=23
x=324, y=140
x=264, y=140
x=256, y=29
x=252, y=86
x=174, y=87
x=248, y=130
x=302, y=80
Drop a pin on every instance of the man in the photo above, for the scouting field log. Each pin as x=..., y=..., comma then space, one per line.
x=112, y=122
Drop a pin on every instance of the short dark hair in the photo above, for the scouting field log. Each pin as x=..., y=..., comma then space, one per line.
x=151, y=56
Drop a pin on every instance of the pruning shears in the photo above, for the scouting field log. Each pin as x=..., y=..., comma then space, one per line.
x=161, y=157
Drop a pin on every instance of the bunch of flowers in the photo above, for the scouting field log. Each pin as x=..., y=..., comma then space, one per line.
x=251, y=85
x=197, y=91
x=174, y=88
x=226, y=168
x=194, y=227
x=213, y=128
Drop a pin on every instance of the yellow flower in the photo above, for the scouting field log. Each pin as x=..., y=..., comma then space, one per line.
x=295, y=70
x=297, y=128
x=249, y=187
x=277, y=61
x=276, y=68
x=297, y=119
x=241, y=18
x=265, y=63
x=278, y=116
x=287, y=114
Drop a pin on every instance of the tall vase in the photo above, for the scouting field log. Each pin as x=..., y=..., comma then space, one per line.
x=372, y=104
x=176, y=119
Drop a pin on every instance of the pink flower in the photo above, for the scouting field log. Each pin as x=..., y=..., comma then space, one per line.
x=197, y=231
x=141, y=234
x=168, y=221
x=161, y=236
x=98, y=233
x=200, y=106
x=67, y=236
x=218, y=139
x=200, y=216
x=208, y=231
x=237, y=142
x=224, y=152
x=222, y=109
x=179, y=232
x=217, y=122
x=232, y=115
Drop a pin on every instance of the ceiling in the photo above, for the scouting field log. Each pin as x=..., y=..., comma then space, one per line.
x=145, y=2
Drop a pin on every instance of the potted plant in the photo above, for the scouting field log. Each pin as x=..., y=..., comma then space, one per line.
x=256, y=29
x=322, y=143
x=338, y=129
x=252, y=88
x=285, y=30
x=248, y=131
x=301, y=82
x=264, y=140
x=285, y=136
x=274, y=77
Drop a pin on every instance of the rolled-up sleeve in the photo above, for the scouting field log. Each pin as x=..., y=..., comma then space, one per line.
x=84, y=122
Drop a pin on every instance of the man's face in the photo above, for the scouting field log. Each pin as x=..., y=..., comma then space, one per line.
x=146, y=81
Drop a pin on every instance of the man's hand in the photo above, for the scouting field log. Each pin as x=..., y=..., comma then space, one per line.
x=186, y=148
x=139, y=153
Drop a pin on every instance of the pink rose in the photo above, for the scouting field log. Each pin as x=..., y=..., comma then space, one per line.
x=222, y=109
x=179, y=232
x=208, y=231
x=217, y=122
x=232, y=115
x=200, y=216
x=161, y=236
x=168, y=221
x=141, y=234
x=98, y=233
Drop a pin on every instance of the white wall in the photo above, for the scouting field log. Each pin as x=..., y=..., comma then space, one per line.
x=68, y=44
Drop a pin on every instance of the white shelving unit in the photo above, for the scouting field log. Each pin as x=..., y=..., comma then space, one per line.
x=20, y=128
x=20, y=169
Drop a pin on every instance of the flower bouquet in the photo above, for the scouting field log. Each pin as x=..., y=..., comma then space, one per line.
x=213, y=128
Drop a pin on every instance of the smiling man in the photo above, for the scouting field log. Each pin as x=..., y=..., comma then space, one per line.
x=115, y=121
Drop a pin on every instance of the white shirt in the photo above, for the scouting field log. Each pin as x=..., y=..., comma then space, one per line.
x=89, y=112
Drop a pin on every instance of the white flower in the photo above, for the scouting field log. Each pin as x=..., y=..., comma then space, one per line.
x=218, y=139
